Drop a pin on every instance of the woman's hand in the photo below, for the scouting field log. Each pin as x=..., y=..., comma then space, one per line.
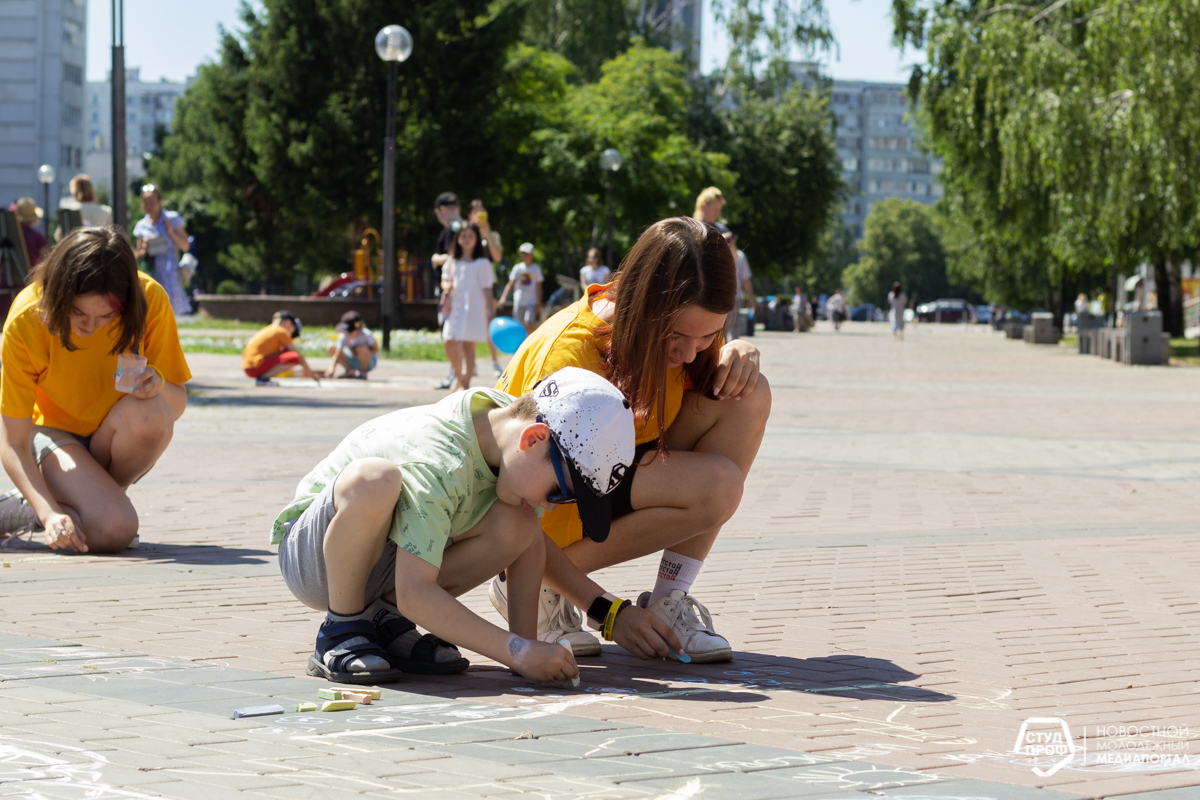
x=644, y=634
x=143, y=248
x=149, y=385
x=737, y=370
x=61, y=534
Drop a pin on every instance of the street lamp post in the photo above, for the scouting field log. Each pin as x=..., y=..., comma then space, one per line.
x=120, y=191
x=45, y=176
x=393, y=44
x=610, y=161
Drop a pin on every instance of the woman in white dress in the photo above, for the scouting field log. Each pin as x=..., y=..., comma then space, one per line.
x=468, y=276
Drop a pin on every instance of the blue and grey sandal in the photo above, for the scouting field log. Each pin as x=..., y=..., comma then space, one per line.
x=340, y=643
x=427, y=655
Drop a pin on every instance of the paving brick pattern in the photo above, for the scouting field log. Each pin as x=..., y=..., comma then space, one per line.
x=941, y=539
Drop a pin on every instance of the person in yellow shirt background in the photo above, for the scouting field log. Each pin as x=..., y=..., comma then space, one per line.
x=70, y=441
x=657, y=332
x=270, y=352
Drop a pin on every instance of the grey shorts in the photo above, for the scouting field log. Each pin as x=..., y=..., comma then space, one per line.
x=46, y=440
x=302, y=557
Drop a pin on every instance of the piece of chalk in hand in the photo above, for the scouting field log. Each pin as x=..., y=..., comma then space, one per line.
x=684, y=657
x=564, y=642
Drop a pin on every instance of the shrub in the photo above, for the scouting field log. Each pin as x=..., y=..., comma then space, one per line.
x=229, y=287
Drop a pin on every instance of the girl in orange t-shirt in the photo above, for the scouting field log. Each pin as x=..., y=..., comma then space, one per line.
x=657, y=332
x=69, y=440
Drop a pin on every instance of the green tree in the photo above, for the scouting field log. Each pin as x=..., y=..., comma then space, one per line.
x=584, y=32
x=822, y=272
x=286, y=129
x=901, y=242
x=789, y=184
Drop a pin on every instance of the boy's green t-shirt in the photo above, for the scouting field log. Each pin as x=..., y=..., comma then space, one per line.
x=448, y=486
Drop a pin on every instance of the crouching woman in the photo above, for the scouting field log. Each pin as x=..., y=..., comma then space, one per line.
x=70, y=441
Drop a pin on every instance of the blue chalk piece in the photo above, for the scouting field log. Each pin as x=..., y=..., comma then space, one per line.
x=684, y=657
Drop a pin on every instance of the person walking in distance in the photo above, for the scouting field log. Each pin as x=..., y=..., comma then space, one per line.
x=899, y=302
x=477, y=213
x=593, y=272
x=161, y=238
x=745, y=284
x=836, y=308
x=469, y=278
x=525, y=282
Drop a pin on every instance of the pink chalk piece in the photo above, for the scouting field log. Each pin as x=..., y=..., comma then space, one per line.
x=359, y=697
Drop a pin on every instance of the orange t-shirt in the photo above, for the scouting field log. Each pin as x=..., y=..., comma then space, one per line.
x=267, y=342
x=568, y=340
x=74, y=389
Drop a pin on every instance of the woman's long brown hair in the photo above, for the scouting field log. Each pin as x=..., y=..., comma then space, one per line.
x=92, y=261
x=676, y=263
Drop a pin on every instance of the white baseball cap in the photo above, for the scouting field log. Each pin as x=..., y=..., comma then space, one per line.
x=526, y=248
x=592, y=425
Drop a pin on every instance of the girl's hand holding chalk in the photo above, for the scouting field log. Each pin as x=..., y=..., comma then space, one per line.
x=684, y=657
x=566, y=644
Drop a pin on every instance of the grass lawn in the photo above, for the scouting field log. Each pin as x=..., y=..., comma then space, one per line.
x=230, y=337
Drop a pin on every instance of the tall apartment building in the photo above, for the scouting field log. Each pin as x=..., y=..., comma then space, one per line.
x=683, y=19
x=42, y=58
x=147, y=105
x=877, y=145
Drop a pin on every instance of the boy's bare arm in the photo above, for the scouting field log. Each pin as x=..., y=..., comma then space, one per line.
x=419, y=598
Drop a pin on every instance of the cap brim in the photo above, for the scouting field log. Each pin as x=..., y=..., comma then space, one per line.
x=595, y=511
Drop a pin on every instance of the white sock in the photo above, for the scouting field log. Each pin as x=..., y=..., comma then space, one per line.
x=675, y=572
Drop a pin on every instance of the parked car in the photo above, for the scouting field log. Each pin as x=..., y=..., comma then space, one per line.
x=983, y=315
x=357, y=290
x=946, y=311
x=867, y=312
x=335, y=284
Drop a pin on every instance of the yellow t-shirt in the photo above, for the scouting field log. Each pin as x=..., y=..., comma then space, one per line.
x=74, y=389
x=267, y=342
x=567, y=340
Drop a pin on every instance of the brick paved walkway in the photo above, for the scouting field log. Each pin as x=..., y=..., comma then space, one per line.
x=941, y=539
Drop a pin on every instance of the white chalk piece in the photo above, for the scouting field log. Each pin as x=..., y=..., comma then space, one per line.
x=566, y=643
x=257, y=711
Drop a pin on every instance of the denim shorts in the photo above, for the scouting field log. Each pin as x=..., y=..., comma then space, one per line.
x=46, y=440
x=353, y=363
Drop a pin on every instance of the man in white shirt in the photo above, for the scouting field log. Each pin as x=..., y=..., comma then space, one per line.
x=594, y=271
x=525, y=282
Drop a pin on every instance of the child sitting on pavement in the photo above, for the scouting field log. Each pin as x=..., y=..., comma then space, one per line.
x=356, y=350
x=270, y=352
x=401, y=518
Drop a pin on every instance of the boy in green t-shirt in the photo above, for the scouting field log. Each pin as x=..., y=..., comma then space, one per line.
x=401, y=518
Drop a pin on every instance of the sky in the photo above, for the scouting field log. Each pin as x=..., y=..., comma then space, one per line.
x=862, y=28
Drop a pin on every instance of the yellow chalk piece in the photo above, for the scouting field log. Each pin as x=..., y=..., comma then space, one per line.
x=7, y=565
x=302, y=707
x=358, y=697
x=329, y=694
x=338, y=705
x=374, y=691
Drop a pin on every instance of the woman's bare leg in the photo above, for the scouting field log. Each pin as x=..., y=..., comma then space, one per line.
x=91, y=497
x=132, y=437
x=681, y=504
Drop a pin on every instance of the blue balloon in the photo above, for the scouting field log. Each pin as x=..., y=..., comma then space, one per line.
x=507, y=334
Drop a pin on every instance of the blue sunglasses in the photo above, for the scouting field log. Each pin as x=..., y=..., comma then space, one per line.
x=560, y=497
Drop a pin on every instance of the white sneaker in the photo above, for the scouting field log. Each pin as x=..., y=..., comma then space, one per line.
x=692, y=624
x=557, y=618
x=16, y=515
